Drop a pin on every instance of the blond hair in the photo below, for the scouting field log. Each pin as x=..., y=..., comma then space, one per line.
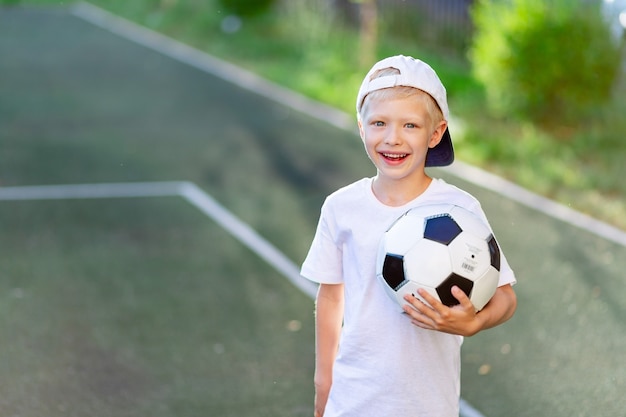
x=401, y=92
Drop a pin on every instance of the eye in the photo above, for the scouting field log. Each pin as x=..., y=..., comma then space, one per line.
x=410, y=125
x=378, y=123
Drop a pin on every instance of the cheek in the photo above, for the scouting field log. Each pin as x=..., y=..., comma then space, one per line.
x=370, y=147
x=369, y=137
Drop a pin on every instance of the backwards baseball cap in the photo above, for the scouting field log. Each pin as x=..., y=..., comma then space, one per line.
x=417, y=74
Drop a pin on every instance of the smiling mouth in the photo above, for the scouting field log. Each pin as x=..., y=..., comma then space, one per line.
x=394, y=156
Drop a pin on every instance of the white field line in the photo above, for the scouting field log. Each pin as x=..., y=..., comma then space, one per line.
x=545, y=205
x=210, y=64
x=187, y=190
x=205, y=203
x=466, y=410
x=327, y=114
x=82, y=191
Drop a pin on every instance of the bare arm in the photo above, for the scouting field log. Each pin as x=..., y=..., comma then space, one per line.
x=328, y=321
x=461, y=319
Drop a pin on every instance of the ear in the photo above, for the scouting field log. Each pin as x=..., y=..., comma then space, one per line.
x=361, y=132
x=437, y=134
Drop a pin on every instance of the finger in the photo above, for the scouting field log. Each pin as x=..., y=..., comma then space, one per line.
x=415, y=303
x=412, y=303
x=433, y=302
x=421, y=314
x=462, y=298
x=418, y=318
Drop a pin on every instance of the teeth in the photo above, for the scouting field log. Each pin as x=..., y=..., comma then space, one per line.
x=394, y=156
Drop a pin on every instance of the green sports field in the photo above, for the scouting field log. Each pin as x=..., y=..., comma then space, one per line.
x=142, y=305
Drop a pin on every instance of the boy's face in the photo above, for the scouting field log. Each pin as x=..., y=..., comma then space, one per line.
x=397, y=134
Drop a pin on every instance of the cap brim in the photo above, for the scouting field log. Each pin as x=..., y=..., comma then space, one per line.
x=443, y=154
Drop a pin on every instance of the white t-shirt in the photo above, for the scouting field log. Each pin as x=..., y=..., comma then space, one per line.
x=386, y=366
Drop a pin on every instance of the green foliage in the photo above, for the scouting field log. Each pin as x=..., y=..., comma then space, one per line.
x=246, y=7
x=552, y=63
x=446, y=33
x=306, y=46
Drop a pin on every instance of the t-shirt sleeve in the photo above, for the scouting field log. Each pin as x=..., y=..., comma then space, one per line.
x=323, y=263
x=507, y=276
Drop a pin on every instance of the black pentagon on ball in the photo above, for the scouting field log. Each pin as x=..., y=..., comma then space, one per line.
x=393, y=270
x=444, y=290
x=494, y=251
x=442, y=229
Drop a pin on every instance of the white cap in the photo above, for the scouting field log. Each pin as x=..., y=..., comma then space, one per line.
x=417, y=74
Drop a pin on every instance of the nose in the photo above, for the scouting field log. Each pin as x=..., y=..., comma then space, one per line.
x=392, y=136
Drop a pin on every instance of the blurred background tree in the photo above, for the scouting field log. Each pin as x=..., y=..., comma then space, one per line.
x=368, y=31
x=553, y=63
x=521, y=75
x=246, y=7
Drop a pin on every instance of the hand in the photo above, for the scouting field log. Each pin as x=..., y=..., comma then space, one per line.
x=460, y=319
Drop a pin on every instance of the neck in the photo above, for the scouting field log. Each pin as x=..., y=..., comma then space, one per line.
x=398, y=193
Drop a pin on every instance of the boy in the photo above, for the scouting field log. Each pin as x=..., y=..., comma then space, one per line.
x=371, y=360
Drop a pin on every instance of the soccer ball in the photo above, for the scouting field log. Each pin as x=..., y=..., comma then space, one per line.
x=436, y=247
